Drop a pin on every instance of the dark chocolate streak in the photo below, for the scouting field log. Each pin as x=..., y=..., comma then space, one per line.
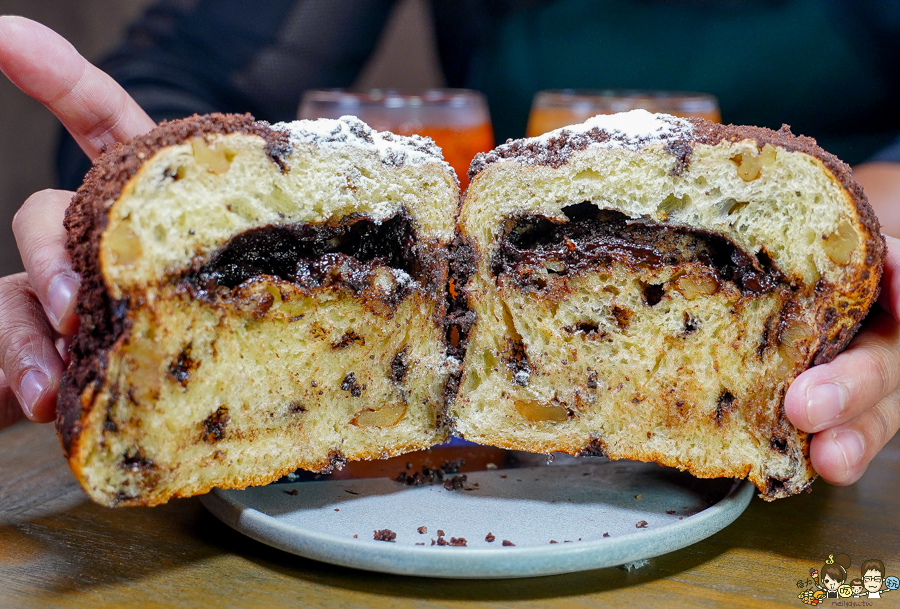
x=315, y=255
x=460, y=318
x=594, y=238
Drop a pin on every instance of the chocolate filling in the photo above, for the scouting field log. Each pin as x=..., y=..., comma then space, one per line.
x=460, y=318
x=344, y=254
x=533, y=248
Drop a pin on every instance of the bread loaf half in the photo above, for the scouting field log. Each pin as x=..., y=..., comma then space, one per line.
x=647, y=287
x=256, y=298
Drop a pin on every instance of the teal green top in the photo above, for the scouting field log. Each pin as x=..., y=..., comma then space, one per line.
x=829, y=68
x=768, y=62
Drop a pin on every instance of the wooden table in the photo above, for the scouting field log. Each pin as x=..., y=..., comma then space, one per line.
x=57, y=549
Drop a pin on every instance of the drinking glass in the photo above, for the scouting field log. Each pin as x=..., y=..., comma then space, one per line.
x=456, y=119
x=557, y=108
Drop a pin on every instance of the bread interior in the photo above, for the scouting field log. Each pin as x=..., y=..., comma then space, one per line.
x=674, y=337
x=273, y=320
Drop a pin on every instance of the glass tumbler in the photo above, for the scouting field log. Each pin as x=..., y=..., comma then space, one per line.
x=557, y=108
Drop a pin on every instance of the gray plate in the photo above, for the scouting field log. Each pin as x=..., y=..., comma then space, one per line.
x=571, y=501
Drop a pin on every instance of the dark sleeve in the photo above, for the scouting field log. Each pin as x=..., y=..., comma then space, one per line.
x=187, y=56
x=875, y=27
x=891, y=154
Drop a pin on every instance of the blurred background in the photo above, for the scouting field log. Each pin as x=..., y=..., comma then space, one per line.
x=405, y=59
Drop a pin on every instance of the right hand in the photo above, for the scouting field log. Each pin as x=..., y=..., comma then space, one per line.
x=37, y=307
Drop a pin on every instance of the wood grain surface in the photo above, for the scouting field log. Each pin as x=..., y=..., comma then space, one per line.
x=57, y=549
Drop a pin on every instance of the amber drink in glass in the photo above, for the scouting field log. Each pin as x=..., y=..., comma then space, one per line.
x=456, y=119
x=557, y=108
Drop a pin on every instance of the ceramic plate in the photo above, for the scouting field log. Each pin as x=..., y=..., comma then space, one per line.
x=569, y=515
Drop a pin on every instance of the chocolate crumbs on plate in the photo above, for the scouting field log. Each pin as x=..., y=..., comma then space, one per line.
x=427, y=475
x=455, y=483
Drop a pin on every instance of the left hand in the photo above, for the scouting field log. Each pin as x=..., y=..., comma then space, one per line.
x=37, y=315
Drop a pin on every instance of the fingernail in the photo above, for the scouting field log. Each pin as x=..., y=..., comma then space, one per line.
x=59, y=297
x=824, y=403
x=32, y=387
x=851, y=445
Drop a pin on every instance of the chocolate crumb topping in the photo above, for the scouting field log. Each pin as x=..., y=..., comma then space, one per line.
x=385, y=535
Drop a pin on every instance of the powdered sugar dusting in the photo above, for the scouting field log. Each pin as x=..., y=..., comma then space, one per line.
x=633, y=129
x=629, y=130
x=392, y=149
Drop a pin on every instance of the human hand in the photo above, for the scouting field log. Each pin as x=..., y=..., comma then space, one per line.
x=852, y=403
x=37, y=307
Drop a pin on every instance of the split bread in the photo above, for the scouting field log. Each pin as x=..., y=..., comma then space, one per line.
x=255, y=299
x=647, y=287
x=260, y=298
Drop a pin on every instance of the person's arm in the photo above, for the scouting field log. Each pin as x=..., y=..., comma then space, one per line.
x=180, y=58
